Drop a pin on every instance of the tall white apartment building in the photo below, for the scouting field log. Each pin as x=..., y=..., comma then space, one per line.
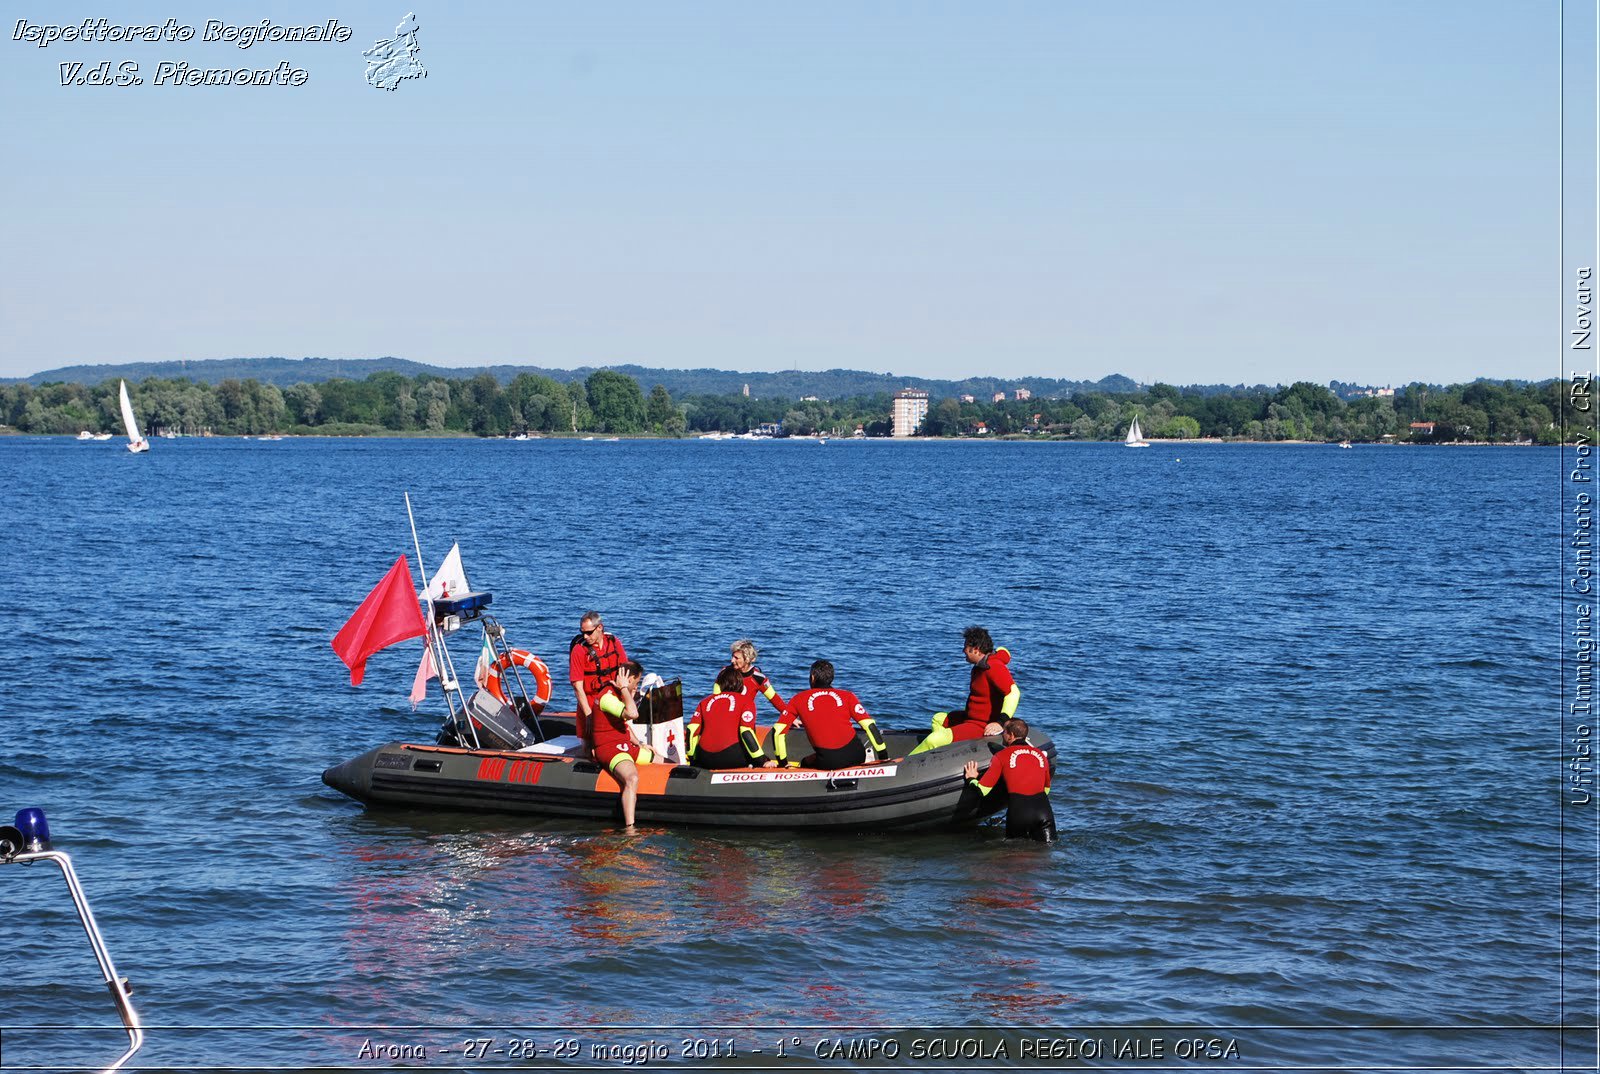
x=910, y=407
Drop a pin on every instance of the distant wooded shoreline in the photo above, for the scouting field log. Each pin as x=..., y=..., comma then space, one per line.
x=612, y=403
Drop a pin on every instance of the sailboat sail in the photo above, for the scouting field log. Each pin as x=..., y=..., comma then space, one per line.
x=1135, y=437
x=136, y=443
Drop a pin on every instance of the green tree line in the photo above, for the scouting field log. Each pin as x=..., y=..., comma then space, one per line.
x=1483, y=411
x=612, y=402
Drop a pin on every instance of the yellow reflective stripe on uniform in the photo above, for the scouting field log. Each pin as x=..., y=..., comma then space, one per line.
x=646, y=755
x=768, y=692
x=694, y=737
x=751, y=744
x=875, y=739
x=612, y=705
x=981, y=788
x=780, y=748
x=942, y=736
x=1008, y=707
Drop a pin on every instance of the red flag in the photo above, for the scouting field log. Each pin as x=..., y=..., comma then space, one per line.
x=389, y=614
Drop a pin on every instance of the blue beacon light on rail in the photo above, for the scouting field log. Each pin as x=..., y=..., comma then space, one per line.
x=34, y=828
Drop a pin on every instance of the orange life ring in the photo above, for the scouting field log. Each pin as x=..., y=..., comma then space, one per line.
x=522, y=659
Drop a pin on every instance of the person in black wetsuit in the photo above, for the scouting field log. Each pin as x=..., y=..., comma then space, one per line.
x=1025, y=771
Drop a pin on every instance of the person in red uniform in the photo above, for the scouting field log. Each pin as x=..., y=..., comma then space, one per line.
x=751, y=679
x=992, y=696
x=722, y=731
x=827, y=714
x=593, y=659
x=1025, y=771
x=617, y=745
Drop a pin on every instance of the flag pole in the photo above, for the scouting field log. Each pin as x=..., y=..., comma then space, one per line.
x=421, y=570
x=435, y=639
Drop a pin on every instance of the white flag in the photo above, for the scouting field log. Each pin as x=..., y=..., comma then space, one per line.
x=450, y=580
x=480, y=674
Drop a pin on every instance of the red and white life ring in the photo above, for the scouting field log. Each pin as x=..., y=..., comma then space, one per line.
x=522, y=659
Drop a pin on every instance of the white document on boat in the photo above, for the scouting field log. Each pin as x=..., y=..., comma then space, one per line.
x=560, y=746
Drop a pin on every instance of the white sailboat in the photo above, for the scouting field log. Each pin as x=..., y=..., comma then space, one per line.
x=136, y=443
x=1135, y=437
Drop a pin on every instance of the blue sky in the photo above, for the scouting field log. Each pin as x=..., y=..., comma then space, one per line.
x=1214, y=192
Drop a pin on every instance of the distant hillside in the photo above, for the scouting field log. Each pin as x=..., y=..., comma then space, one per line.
x=789, y=384
x=280, y=371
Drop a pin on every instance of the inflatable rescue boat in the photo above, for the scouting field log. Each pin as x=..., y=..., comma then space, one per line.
x=501, y=752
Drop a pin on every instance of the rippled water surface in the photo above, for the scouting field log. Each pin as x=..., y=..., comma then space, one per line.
x=1304, y=698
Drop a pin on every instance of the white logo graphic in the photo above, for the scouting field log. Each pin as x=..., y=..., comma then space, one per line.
x=391, y=62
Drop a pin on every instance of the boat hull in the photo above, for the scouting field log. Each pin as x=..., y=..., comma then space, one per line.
x=924, y=791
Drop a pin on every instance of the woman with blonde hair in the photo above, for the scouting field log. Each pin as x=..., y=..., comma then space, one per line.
x=743, y=661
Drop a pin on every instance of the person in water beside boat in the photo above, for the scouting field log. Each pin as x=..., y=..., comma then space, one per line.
x=593, y=657
x=722, y=731
x=992, y=696
x=751, y=679
x=827, y=713
x=617, y=745
x=1025, y=771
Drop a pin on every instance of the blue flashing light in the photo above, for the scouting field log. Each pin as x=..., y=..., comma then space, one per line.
x=34, y=828
x=467, y=605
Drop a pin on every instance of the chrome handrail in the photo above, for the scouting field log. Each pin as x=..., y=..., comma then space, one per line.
x=118, y=986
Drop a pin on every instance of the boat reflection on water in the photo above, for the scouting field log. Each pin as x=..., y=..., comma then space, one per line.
x=574, y=924
x=1019, y=993
x=570, y=924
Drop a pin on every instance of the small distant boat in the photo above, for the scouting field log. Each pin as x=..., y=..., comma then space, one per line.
x=136, y=442
x=612, y=439
x=85, y=435
x=101, y=436
x=274, y=436
x=1344, y=443
x=587, y=439
x=1135, y=437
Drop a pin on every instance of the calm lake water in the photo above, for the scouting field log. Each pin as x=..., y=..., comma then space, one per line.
x=1306, y=701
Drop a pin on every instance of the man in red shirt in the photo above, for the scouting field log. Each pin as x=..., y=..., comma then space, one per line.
x=1025, y=770
x=616, y=744
x=722, y=731
x=992, y=696
x=751, y=679
x=593, y=659
x=826, y=713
